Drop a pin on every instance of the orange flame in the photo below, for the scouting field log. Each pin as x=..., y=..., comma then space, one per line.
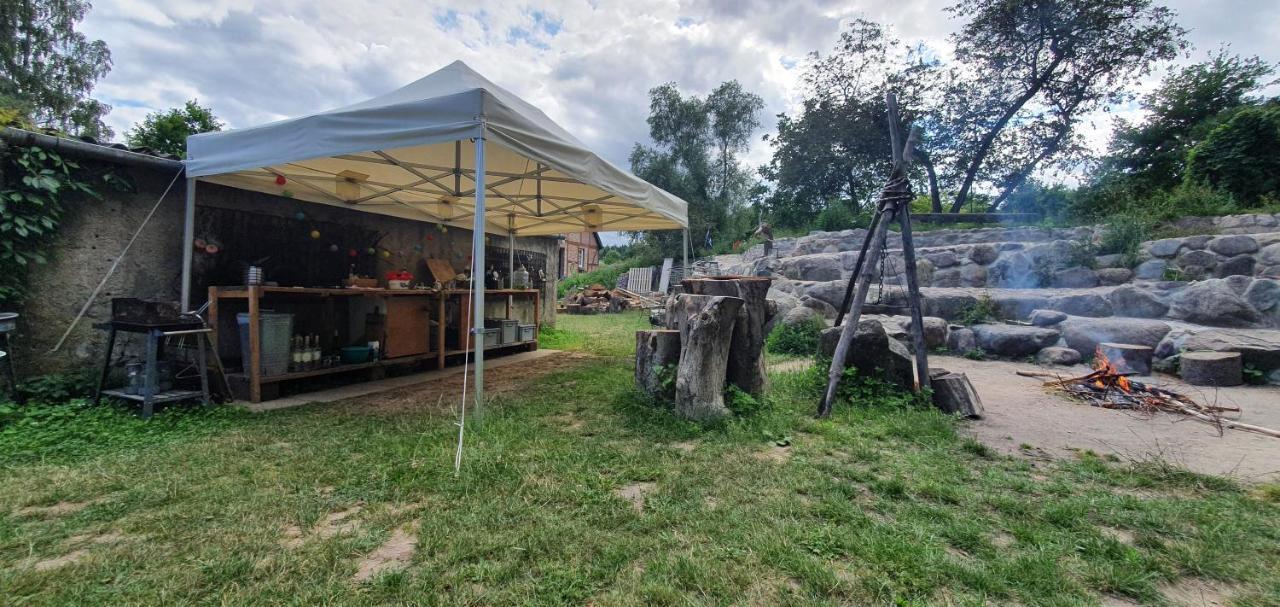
x=1104, y=364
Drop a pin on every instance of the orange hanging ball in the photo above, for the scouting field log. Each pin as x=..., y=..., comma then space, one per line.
x=315, y=233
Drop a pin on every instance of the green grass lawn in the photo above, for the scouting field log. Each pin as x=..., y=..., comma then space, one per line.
x=574, y=491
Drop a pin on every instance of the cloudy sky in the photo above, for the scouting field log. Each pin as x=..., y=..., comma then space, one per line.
x=586, y=63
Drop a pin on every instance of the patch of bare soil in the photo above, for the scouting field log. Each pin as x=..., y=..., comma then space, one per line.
x=70, y=558
x=425, y=397
x=81, y=544
x=774, y=455
x=635, y=493
x=685, y=446
x=1002, y=540
x=333, y=524
x=790, y=366
x=58, y=509
x=393, y=555
x=1120, y=535
x=568, y=421
x=1196, y=592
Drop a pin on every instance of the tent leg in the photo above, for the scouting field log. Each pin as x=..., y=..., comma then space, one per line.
x=188, y=243
x=477, y=278
x=685, y=270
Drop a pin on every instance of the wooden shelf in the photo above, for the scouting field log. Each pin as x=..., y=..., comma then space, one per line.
x=268, y=379
x=167, y=396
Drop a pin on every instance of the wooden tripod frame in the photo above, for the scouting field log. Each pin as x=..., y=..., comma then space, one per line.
x=894, y=204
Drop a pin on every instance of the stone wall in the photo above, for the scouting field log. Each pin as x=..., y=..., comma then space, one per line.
x=94, y=233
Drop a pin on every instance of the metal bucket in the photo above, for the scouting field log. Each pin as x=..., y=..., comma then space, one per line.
x=8, y=321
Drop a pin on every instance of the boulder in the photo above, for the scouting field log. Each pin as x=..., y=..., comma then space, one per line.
x=1047, y=318
x=1166, y=247
x=1082, y=304
x=1019, y=305
x=1013, y=340
x=1014, y=270
x=1213, y=303
x=784, y=302
x=984, y=254
x=1198, y=242
x=1114, y=276
x=1057, y=356
x=1259, y=349
x=1202, y=259
x=972, y=275
x=1075, y=278
x=1270, y=255
x=1240, y=265
x=961, y=340
x=800, y=315
x=935, y=331
x=1135, y=302
x=943, y=259
x=823, y=308
x=1110, y=260
x=1232, y=245
x=1264, y=295
x=831, y=291
x=818, y=266
x=949, y=277
x=1152, y=269
x=873, y=353
x=1084, y=334
x=945, y=305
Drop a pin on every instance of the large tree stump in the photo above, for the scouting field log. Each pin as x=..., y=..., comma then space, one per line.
x=954, y=393
x=1211, y=368
x=657, y=355
x=1126, y=358
x=746, y=352
x=706, y=331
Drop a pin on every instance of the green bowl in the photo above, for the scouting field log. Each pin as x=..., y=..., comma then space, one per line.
x=354, y=355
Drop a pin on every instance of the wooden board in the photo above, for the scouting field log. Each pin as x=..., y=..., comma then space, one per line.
x=408, y=326
x=440, y=270
x=664, y=280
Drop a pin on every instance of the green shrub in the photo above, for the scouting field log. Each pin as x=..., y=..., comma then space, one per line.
x=800, y=339
x=1124, y=235
x=983, y=310
x=741, y=403
x=58, y=388
x=605, y=275
x=837, y=216
x=1241, y=156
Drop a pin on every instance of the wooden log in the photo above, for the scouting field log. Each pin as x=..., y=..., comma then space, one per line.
x=1127, y=358
x=657, y=356
x=746, y=352
x=1211, y=368
x=706, y=331
x=954, y=393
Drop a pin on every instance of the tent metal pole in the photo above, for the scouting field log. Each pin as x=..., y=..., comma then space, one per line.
x=188, y=243
x=511, y=251
x=477, y=278
x=684, y=269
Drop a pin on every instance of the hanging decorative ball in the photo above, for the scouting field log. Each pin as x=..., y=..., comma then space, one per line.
x=333, y=248
x=280, y=180
x=315, y=234
x=443, y=229
x=287, y=193
x=371, y=251
x=353, y=253
x=211, y=249
x=418, y=248
x=386, y=254
x=431, y=236
x=199, y=243
x=300, y=216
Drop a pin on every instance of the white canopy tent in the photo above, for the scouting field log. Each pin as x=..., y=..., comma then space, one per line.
x=423, y=152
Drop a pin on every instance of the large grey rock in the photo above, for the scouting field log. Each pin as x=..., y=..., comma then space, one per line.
x=1014, y=270
x=1075, y=278
x=1234, y=244
x=1152, y=269
x=961, y=340
x=984, y=254
x=943, y=259
x=945, y=305
x=831, y=291
x=873, y=353
x=1260, y=349
x=1202, y=259
x=1213, y=303
x=818, y=266
x=1084, y=334
x=1057, y=356
x=1082, y=304
x=1264, y=295
x=935, y=330
x=784, y=303
x=1047, y=318
x=1019, y=305
x=1132, y=301
x=801, y=315
x=1110, y=260
x=823, y=308
x=1114, y=276
x=1240, y=265
x=1013, y=340
x=1197, y=242
x=1167, y=247
x=972, y=275
x=1270, y=255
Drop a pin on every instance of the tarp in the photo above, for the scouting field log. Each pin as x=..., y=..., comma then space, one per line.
x=409, y=153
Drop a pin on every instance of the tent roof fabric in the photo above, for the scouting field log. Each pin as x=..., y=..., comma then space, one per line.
x=410, y=153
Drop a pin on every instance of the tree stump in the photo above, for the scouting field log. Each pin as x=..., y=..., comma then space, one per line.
x=1211, y=368
x=706, y=331
x=1128, y=359
x=954, y=393
x=746, y=352
x=657, y=355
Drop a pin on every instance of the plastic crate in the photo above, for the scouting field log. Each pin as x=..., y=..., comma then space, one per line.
x=510, y=329
x=491, y=337
x=275, y=329
x=528, y=332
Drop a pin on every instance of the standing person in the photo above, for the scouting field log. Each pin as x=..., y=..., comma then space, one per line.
x=767, y=233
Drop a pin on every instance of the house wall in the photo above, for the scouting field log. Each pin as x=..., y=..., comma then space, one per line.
x=580, y=246
x=94, y=232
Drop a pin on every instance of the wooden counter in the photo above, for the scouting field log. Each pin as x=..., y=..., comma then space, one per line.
x=410, y=311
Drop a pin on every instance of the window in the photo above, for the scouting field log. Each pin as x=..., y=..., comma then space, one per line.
x=582, y=259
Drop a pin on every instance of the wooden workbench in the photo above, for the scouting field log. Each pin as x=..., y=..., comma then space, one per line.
x=439, y=352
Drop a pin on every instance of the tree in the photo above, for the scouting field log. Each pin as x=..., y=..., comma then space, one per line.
x=696, y=143
x=49, y=69
x=1188, y=104
x=1028, y=70
x=166, y=132
x=1242, y=155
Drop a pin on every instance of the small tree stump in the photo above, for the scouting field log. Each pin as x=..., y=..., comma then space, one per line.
x=746, y=352
x=706, y=330
x=1211, y=368
x=1127, y=358
x=954, y=393
x=657, y=355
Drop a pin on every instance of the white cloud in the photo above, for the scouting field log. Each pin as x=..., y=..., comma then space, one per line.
x=587, y=63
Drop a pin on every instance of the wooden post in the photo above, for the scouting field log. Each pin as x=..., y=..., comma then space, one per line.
x=746, y=352
x=255, y=346
x=706, y=331
x=913, y=296
x=657, y=355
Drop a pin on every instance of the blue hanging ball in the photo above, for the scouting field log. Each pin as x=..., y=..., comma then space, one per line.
x=417, y=247
x=300, y=215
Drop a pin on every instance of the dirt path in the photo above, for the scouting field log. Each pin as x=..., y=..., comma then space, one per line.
x=1019, y=412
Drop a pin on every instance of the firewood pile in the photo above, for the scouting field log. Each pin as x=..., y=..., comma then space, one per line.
x=1108, y=388
x=597, y=299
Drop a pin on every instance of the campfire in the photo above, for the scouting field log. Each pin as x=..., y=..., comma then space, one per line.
x=1109, y=388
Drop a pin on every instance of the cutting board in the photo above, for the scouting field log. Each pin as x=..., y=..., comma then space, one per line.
x=440, y=270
